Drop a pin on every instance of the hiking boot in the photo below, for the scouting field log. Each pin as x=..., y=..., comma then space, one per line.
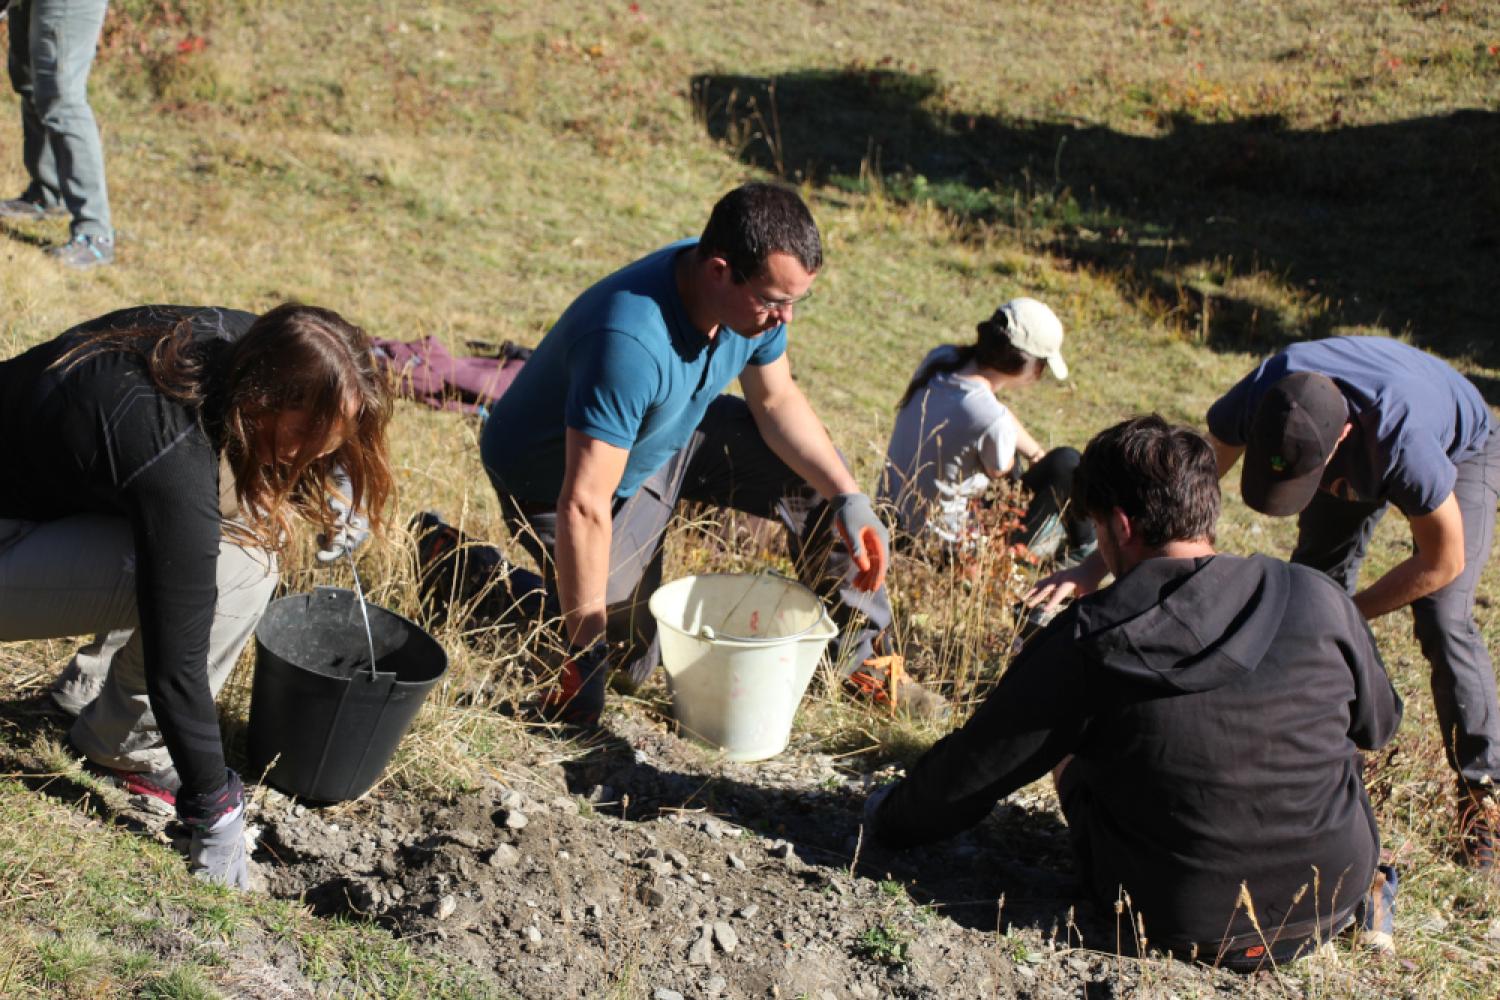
x=24, y=210
x=1479, y=831
x=83, y=252
x=883, y=681
x=159, y=785
x=75, y=688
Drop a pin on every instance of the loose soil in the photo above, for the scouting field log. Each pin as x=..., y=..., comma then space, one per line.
x=636, y=865
x=632, y=863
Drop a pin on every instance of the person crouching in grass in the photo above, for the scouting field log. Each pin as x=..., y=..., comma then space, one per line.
x=953, y=437
x=1202, y=718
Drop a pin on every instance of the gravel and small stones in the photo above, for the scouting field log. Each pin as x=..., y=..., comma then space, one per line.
x=678, y=858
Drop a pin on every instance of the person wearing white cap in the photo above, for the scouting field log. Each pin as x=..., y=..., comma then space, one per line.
x=953, y=436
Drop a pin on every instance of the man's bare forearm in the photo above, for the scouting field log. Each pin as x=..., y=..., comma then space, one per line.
x=582, y=554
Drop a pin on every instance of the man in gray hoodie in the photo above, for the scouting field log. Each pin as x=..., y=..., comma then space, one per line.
x=1202, y=717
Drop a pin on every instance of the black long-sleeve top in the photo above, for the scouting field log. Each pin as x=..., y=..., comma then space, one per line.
x=99, y=437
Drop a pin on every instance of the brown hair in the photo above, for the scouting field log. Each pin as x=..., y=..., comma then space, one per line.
x=1164, y=477
x=991, y=349
x=294, y=357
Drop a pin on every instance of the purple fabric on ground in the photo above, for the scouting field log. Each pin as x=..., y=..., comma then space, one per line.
x=424, y=370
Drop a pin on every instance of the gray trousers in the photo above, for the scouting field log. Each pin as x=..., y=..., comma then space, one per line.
x=76, y=576
x=52, y=44
x=726, y=463
x=1333, y=535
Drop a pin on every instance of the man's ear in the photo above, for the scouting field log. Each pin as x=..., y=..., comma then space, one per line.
x=1121, y=528
x=719, y=270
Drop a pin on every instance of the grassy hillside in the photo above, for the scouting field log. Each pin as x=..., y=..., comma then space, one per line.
x=1188, y=184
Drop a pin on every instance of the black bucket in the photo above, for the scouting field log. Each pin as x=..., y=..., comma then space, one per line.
x=327, y=721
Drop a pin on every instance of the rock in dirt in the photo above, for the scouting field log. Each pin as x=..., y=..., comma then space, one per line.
x=702, y=950
x=725, y=937
x=464, y=838
x=662, y=993
x=736, y=863
x=514, y=819
x=443, y=908
x=748, y=911
x=651, y=896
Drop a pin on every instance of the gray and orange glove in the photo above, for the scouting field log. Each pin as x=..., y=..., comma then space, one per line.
x=867, y=539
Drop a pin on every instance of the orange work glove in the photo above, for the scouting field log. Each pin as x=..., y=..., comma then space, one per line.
x=868, y=541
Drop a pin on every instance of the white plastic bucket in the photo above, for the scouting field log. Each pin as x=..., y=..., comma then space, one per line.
x=739, y=651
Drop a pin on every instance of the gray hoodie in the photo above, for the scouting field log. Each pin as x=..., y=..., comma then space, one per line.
x=1214, y=709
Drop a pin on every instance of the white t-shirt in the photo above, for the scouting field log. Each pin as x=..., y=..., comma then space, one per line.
x=950, y=438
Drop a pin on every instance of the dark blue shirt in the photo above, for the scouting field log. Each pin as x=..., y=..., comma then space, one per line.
x=624, y=365
x=1414, y=418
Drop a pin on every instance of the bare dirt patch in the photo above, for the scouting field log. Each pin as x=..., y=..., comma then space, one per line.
x=636, y=863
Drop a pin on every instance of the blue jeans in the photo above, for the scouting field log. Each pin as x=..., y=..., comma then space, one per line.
x=52, y=45
x=1333, y=535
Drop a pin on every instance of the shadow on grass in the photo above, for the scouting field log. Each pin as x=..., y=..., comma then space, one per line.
x=1394, y=225
x=36, y=717
x=1019, y=855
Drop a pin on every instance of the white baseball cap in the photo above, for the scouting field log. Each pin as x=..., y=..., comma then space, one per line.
x=1035, y=329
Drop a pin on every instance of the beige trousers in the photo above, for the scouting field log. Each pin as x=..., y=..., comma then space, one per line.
x=76, y=576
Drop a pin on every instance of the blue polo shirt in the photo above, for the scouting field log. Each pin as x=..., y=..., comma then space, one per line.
x=1414, y=418
x=624, y=365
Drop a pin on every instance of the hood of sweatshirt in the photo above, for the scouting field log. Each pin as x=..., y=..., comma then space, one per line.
x=1186, y=624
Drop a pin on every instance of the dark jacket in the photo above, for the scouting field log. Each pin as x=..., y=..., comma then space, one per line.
x=98, y=437
x=1214, y=708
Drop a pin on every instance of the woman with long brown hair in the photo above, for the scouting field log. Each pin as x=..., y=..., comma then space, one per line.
x=156, y=459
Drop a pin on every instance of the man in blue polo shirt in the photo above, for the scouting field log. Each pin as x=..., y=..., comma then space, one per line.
x=618, y=415
x=1336, y=431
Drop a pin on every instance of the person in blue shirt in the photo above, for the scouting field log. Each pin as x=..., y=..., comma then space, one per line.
x=620, y=414
x=1338, y=430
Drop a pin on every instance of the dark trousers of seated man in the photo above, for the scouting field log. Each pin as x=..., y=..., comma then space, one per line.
x=727, y=464
x=1333, y=535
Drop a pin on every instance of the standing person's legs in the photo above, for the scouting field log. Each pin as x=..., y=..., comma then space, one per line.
x=64, y=35
x=1333, y=534
x=36, y=152
x=1463, y=676
x=76, y=576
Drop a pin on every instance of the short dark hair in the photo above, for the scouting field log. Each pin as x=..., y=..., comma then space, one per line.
x=756, y=220
x=1165, y=479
